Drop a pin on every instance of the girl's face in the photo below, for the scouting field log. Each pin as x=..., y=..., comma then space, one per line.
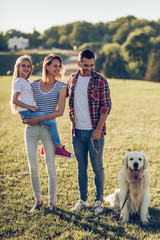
x=54, y=68
x=24, y=69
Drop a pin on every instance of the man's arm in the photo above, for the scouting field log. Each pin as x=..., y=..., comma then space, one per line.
x=104, y=110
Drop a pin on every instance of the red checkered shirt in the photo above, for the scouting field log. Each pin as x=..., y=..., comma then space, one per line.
x=99, y=100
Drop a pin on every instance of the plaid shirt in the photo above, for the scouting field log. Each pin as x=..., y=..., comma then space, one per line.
x=99, y=100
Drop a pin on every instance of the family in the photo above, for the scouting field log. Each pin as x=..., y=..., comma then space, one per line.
x=39, y=104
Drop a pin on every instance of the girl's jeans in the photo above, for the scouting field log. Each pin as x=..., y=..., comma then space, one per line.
x=50, y=123
x=82, y=145
x=32, y=136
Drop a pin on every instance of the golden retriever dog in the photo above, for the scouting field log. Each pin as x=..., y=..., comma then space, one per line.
x=133, y=195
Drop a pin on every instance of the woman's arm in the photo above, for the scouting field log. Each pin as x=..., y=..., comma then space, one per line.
x=18, y=103
x=58, y=113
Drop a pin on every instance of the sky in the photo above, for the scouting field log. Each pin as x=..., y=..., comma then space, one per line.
x=27, y=15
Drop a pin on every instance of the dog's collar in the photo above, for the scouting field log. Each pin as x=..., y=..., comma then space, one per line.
x=137, y=181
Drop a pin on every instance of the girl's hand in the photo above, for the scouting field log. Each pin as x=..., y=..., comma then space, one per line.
x=33, y=109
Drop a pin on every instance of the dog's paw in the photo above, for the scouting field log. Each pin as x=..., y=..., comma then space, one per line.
x=125, y=220
x=145, y=221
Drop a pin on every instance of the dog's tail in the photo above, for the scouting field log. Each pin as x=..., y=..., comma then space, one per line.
x=113, y=200
x=110, y=198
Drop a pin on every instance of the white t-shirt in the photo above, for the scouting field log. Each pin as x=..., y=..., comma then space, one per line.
x=81, y=109
x=26, y=94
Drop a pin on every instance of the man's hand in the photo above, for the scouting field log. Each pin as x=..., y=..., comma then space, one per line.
x=96, y=135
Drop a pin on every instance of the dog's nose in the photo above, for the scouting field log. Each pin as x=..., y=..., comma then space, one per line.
x=135, y=165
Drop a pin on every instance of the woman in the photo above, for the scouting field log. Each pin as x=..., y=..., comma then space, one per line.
x=50, y=95
x=22, y=102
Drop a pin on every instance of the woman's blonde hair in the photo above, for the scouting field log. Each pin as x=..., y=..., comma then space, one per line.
x=47, y=61
x=16, y=75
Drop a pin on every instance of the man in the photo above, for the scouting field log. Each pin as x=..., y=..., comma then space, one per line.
x=89, y=105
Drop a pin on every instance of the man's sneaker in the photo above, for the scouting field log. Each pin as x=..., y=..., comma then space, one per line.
x=98, y=207
x=62, y=152
x=79, y=205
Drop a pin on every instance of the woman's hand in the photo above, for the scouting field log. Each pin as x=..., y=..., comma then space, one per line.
x=33, y=120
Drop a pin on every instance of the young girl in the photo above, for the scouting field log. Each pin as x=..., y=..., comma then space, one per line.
x=22, y=101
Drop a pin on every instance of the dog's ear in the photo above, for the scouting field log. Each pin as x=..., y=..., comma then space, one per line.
x=145, y=161
x=125, y=160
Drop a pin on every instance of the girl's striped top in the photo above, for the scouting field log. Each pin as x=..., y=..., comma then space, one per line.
x=46, y=102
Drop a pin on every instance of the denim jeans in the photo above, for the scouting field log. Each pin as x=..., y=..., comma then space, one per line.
x=50, y=123
x=32, y=136
x=82, y=145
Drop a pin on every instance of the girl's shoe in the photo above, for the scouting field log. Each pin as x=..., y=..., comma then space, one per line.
x=62, y=152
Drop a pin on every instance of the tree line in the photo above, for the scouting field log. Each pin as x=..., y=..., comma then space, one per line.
x=125, y=48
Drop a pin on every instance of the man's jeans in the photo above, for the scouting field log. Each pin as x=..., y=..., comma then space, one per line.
x=82, y=144
x=50, y=123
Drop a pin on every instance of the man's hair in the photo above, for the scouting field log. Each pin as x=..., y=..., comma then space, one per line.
x=85, y=53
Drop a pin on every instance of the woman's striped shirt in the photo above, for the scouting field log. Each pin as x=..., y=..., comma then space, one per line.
x=47, y=102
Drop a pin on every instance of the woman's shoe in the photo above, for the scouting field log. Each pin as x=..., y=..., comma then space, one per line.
x=36, y=207
x=51, y=208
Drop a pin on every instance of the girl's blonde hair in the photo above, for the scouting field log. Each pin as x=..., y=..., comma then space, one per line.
x=14, y=108
x=47, y=61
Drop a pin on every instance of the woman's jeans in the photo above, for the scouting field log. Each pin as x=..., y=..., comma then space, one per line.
x=32, y=136
x=50, y=123
x=82, y=145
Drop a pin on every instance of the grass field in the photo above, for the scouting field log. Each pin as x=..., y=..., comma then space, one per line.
x=133, y=124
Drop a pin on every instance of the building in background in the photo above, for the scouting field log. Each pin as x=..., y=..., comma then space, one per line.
x=16, y=43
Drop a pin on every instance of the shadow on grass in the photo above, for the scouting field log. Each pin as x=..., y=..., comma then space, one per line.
x=153, y=225
x=103, y=225
x=87, y=221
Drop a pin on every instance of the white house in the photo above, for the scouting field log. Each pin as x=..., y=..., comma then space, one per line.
x=18, y=43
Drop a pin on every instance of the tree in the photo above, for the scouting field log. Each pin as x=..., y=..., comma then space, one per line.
x=138, y=48
x=153, y=68
x=3, y=43
x=50, y=37
x=14, y=33
x=101, y=58
x=114, y=66
x=110, y=61
x=82, y=32
x=64, y=42
x=34, y=40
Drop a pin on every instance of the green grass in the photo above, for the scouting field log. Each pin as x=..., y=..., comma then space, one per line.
x=133, y=124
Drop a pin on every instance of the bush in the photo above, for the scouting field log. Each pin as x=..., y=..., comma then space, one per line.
x=7, y=62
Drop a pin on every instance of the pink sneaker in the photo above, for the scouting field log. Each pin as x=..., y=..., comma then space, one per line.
x=62, y=152
x=42, y=151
